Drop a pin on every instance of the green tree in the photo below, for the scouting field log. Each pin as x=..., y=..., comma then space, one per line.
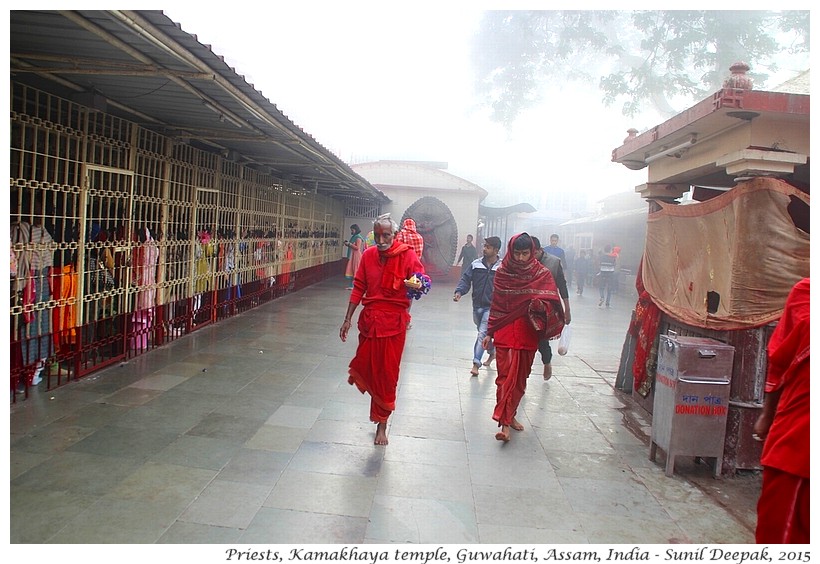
x=638, y=57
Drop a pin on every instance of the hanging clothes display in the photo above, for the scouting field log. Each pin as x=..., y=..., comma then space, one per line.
x=144, y=276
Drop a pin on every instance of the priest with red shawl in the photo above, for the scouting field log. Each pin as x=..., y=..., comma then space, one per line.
x=381, y=285
x=526, y=308
x=783, y=426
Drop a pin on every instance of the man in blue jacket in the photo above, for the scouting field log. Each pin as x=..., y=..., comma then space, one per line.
x=480, y=276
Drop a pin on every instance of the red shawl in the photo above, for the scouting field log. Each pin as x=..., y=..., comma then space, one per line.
x=392, y=277
x=525, y=289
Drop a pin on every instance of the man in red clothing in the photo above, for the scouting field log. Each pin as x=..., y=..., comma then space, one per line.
x=783, y=508
x=525, y=308
x=381, y=284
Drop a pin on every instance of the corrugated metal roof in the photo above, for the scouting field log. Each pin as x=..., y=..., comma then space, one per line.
x=140, y=65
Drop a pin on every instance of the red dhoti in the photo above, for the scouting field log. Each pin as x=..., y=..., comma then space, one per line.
x=375, y=368
x=513, y=370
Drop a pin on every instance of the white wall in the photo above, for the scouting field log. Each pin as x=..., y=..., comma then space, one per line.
x=463, y=205
x=406, y=182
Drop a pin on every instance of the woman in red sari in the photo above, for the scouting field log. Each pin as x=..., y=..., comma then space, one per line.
x=526, y=308
x=783, y=510
x=381, y=284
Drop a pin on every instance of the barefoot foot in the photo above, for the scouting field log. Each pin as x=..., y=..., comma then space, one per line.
x=516, y=425
x=504, y=434
x=474, y=370
x=490, y=359
x=381, y=434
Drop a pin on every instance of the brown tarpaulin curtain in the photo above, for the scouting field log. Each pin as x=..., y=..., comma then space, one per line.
x=742, y=245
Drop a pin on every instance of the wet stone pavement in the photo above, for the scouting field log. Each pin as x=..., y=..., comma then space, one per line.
x=247, y=432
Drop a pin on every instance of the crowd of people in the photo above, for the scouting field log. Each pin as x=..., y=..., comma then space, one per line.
x=520, y=302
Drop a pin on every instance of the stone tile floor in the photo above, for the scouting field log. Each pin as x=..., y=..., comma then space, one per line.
x=247, y=432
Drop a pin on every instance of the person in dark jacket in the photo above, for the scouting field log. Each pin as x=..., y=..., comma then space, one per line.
x=468, y=254
x=583, y=268
x=553, y=264
x=480, y=276
x=607, y=266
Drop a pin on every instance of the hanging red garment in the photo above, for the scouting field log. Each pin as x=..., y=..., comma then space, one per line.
x=644, y=327
x=287, y=265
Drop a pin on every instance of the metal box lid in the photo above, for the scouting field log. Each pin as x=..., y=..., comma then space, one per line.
x=694, y=357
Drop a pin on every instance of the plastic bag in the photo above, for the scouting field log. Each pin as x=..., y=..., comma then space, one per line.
x=563, y=340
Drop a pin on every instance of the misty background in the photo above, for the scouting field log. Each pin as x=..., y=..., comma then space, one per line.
x=371, y=81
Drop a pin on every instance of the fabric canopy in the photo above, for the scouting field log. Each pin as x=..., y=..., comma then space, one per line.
x=737, y=254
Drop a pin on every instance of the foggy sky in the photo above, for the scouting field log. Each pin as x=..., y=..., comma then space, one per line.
x=372, y=82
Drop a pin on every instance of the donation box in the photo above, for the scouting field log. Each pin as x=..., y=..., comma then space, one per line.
x=691, y=399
